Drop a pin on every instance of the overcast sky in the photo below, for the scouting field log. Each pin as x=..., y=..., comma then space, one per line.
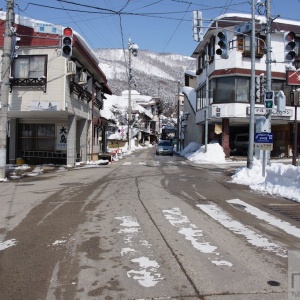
x=158, y=25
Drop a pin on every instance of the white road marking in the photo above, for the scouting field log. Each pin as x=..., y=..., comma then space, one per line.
x=193, y=234
x=147, y=273
x=7, y=244
x=285, y=226
x=252, y=237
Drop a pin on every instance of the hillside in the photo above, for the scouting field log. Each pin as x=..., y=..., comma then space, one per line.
x=153, y=73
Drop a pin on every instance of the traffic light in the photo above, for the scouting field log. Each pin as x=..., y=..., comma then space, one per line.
x=269, y=100
x=223, y=44
x=289, y=46
x=67, y=42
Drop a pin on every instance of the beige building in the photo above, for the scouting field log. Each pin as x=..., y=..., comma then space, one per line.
x=55, y=98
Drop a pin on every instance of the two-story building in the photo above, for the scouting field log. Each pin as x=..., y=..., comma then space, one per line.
x=229, y=80
x=55, y=97
x=145, y=113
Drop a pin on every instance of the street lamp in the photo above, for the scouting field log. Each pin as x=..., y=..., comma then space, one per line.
x=132, y=49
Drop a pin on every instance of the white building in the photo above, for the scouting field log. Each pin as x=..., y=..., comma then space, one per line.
x=229, y=79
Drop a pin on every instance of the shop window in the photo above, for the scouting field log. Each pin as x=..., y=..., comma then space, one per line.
x=37, y=137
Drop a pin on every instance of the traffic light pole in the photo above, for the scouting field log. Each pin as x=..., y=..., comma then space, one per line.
x=5, y=73
x=252, y=93
x=266, y=153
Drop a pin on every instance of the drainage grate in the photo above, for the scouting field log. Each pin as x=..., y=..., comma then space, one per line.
x=290, y=210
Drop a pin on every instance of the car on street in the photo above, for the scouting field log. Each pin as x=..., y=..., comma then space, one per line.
x=241, y=143
x=164, y=147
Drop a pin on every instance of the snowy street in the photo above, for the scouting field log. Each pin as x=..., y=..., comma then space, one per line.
x=144, y=227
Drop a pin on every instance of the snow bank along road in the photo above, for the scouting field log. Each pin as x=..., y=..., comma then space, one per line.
x=145, y=227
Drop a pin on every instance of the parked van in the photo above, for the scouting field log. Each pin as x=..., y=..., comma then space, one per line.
x=241, y=143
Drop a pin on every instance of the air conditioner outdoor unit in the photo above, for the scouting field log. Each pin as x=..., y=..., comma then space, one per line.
x=83, y=78
x=215, y=111
x=71, y=67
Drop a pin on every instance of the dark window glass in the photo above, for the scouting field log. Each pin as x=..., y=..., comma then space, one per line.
x=242, y=89
x=224, y=91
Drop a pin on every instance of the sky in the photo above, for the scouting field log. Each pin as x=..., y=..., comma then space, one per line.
x=162, y=26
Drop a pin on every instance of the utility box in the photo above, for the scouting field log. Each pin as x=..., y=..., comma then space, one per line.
x=263, y=125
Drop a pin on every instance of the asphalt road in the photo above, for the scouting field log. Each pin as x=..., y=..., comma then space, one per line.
x=145, y=227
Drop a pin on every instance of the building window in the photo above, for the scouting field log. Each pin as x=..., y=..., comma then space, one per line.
x=37, y=137
x=200, y=63
x=244, y=45
x=242, y=89
x=230, y=89
x=201, y=98
x=211, y=50
x=224, y=90
x=26, y=67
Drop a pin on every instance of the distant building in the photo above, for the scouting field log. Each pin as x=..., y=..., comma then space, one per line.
x=145, y=110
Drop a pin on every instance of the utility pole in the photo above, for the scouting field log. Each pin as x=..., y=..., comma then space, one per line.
x=252, y=92
x=5, y=73
x=129, y=100
x=207, y=101
x=178, y=112
x=132, y=49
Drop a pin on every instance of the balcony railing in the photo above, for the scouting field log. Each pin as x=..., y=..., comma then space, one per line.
x=84, y=94
x=32, y=82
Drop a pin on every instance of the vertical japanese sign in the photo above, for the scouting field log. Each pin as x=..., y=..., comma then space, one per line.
x=61, y=136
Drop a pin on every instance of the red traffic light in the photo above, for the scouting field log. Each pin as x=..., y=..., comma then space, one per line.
x=67, y=42
x=68, y=32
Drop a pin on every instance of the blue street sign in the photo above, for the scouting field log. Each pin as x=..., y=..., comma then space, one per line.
x=263, y=137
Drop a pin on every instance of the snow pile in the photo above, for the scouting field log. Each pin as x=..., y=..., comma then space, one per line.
x=214, y=154
x=281, y=180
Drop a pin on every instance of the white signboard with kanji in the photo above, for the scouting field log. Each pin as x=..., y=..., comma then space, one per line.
x=61, y=136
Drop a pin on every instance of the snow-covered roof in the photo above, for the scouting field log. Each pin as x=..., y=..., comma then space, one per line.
x=191, y=95
x=136, y=96
x=107, y=114
x=257, y=17
x=191, y=73
x=39, y=26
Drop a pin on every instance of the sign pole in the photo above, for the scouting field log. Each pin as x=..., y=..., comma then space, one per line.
x=295, y=148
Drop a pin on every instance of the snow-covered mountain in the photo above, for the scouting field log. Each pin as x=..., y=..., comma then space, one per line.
x=154, y=74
